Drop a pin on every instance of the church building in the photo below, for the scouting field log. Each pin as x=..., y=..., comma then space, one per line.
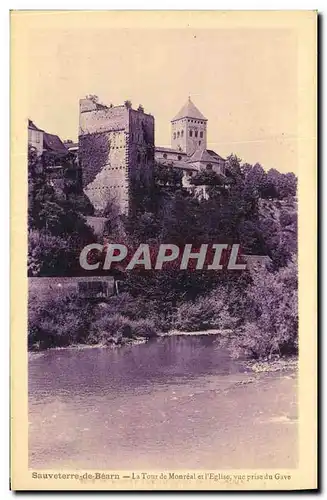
x=116, y=150
x=189, y=144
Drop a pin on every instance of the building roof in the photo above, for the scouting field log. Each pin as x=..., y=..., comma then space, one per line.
x=71, y=145
x=189, y=110
x=53, y=143
x=206, y=155
x=169, y=150
x=216, y=155
x=33, y=126
x=176, y=164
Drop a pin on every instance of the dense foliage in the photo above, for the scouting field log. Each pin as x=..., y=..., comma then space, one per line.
x=249, y=206
x=56, y=222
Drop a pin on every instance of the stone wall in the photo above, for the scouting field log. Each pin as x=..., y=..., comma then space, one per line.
x=103, y=137
x=116, y=148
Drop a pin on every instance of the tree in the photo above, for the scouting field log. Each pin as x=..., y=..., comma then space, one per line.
x=271, y=326
x=57, y=230
x=167, y=177
x=181, y=221
x=255, y=178
x=233, y=168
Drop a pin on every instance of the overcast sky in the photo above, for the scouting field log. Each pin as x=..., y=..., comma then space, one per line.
x=243, y=80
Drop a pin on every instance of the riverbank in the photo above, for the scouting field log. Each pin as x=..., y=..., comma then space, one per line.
x=256, y=366
x=274, y=365
x=199, y=332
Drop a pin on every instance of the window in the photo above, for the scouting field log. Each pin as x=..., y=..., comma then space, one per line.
x=201, y=134
x=138, y=157
x=209, y=166
x=165, y=155
x=37, y=137
x=178, y=134
x=196, y=133
x=191, y=133
x=199, y=143
x=174, y=135
x=182, y=133
x=179, y=157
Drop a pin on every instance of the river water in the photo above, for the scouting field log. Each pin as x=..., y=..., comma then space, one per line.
x=175, y=402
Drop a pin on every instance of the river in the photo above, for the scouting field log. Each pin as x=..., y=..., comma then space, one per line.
x=176, y=402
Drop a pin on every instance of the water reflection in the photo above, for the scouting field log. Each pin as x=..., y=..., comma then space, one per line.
x=172, y=403
x=137, y=367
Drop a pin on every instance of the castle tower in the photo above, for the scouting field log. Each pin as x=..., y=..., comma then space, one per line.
x=189, y=129
x=116, y=151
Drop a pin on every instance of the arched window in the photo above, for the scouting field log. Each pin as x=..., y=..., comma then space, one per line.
x=196, y=133
x=191, y=133
x=174, y=135
x=178, y=134
x=199, y=143
x=182, y=133
x=201, y=134
x=209, y=166
x=165, y=155
x=179, y=157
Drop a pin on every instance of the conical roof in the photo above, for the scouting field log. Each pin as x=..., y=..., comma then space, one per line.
x=189, y=110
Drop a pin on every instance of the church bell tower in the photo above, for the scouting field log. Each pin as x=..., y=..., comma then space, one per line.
x=189, y=130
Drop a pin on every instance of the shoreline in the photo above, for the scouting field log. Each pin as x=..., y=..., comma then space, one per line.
x=130, y=342
x=255, y=366
x=172, y=333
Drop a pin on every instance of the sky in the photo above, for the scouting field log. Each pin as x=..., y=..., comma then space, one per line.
x=244, y=80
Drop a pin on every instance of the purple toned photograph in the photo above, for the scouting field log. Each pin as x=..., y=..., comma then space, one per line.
x=163, y=324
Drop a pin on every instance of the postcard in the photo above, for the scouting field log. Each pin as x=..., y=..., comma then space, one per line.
x=163, y=250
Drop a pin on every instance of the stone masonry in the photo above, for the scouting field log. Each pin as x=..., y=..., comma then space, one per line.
x=116, y=149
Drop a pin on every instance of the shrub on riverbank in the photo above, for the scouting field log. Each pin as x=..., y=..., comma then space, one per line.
x=57, y=321
x=208, y=312
x=138, y=308
x=264, y=323
x=271, y=317
x=118, y=329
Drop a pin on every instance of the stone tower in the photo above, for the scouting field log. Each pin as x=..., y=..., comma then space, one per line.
x=116, y=150
x=189, y=130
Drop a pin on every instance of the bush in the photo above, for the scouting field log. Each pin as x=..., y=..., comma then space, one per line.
x=117, y=329
x=144, y=328
x=209, y=312
x=271, y=327
x=57, y=321
x=112, y=329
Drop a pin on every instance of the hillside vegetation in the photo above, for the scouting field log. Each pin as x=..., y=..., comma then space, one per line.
x=249, y=206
